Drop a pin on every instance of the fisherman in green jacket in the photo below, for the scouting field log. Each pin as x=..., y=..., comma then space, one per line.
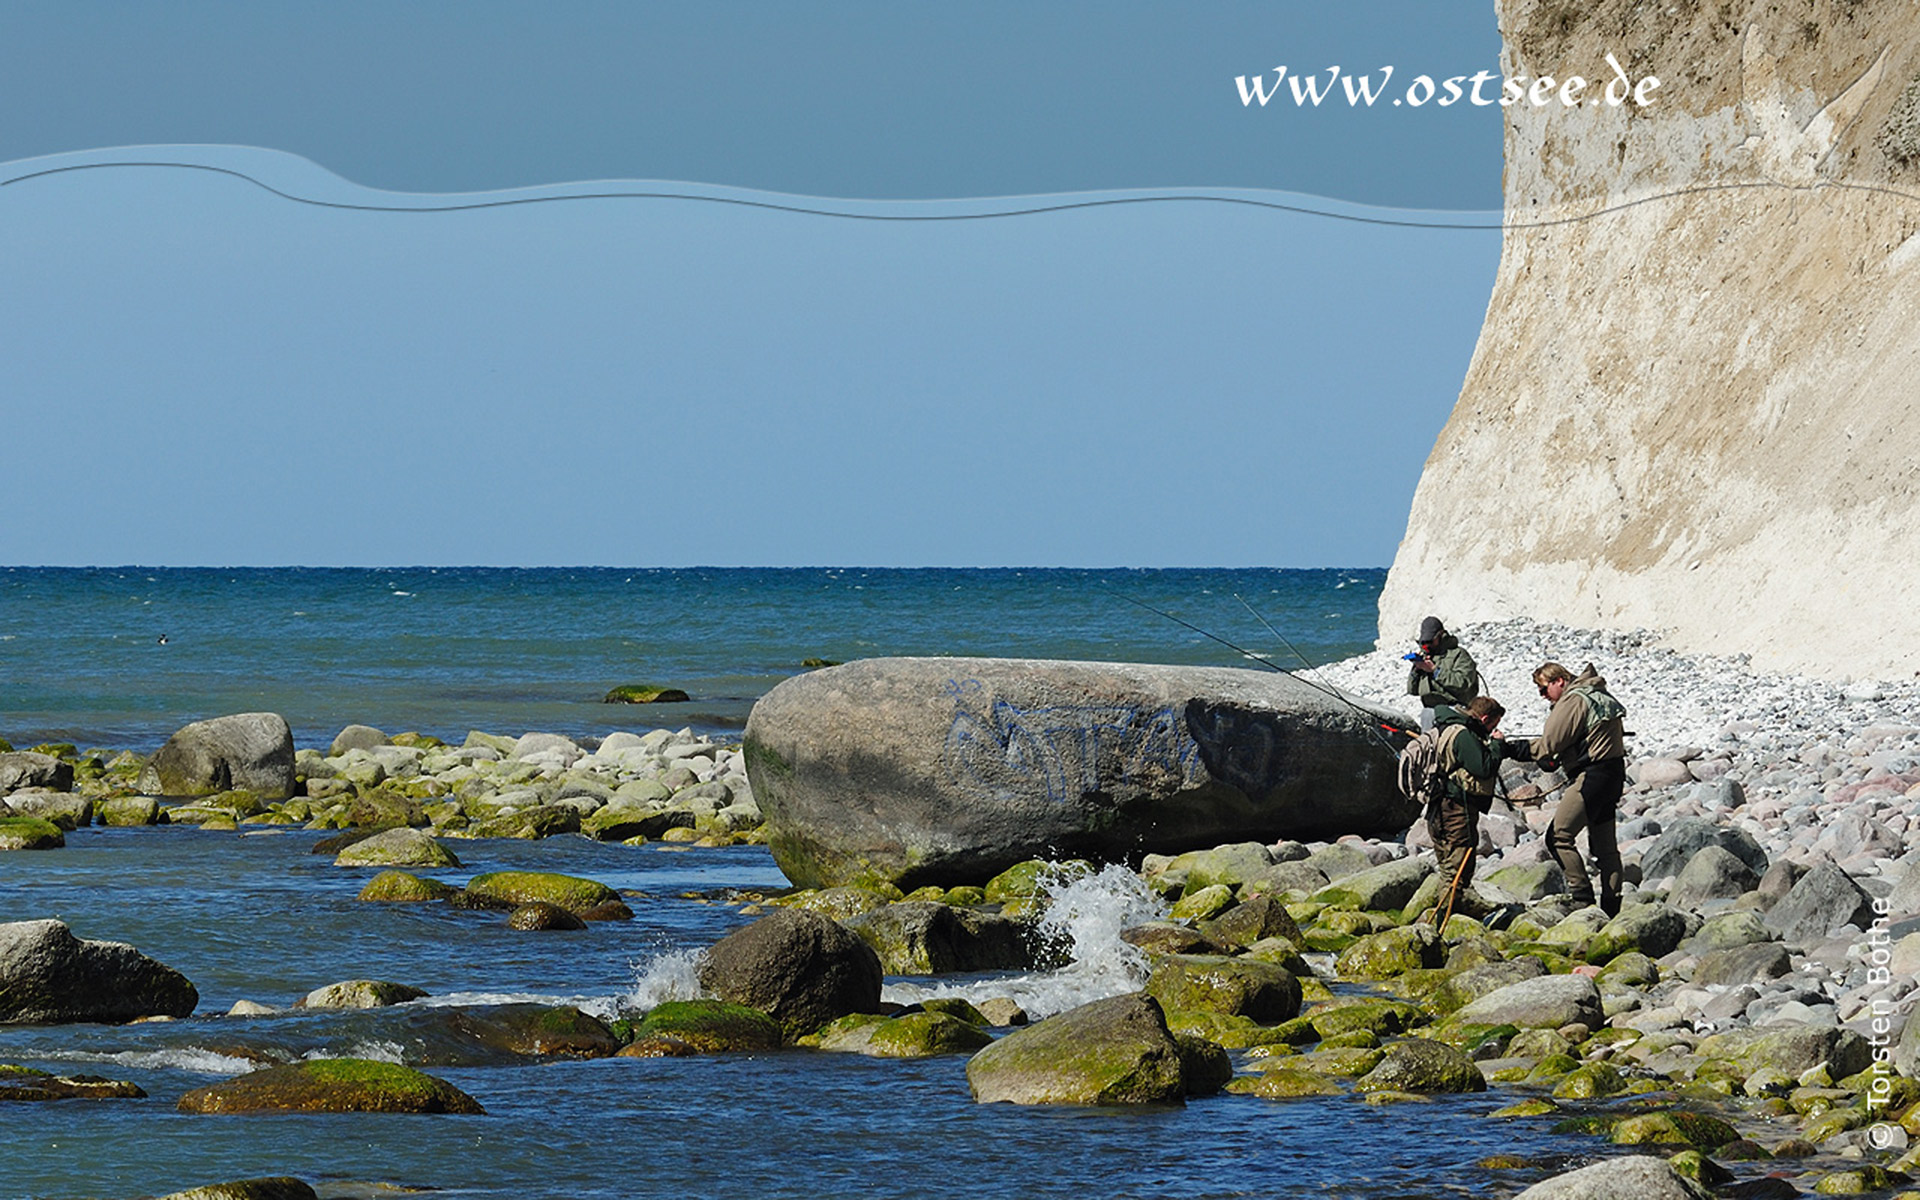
x=1471, y=750
x=1586, y=738
x=1443, y=672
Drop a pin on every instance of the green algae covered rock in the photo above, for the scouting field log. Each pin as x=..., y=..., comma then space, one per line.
x=1858, y=1180
x=644, y=693
x=1392, y=953
x=710, y=1026
x=1592, y=1081
x=1252, y=923
x=398, y=887
x=30, y=833
x=1419, y=1065
x=1284, y=1083
x=1206, y=903
x=128, y=811
x=401, y=847
x=910, y=1035
x=510, y=889
x=272, y=1187
x=1112, y=1051
x=1231, y=1032
x=1235, y=986
x=331, y=1085
x=1348, y=1062
x=957, y=1006
x=1204, y=1066
x=1378, y=1016
x=1527, y=1108
x=1674, y=1127
x=1022, y=880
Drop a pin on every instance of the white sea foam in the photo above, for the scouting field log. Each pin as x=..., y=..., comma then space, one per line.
x=178, y=1058
x=1081, y=928
x=669, y=976
x=387, y=1052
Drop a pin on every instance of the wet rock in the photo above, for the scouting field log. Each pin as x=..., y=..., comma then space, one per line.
x=1471, y=984
x=359, y=993
x=1252, y=921
x=619, y=820
x=507, y=890
x=20, y=769
x=1233, y=864
x=273, y=1187
x=1674, y=1127
x=1650, y=929
x=1258, y=991
x=910, y=1035
x=1640, y=1177
x=1723, y=931
x=398, y=887
x=1112, y=1051
x=30, y=833
x=922, y=937
x=541, y=918
x=331, y=1085
x=49, y=976
x=1392, y=953
x=1205, y=1067
x=799, y=968
x=128, y=811
x=1824, y=899
x=1386, y=887
x=63, y=810
x=1792, y=1051
x=20, y=1085
x=946, y=770
x=1162, y=937
x=356, y=737
x=1548, y=1002
x=397, y=848
x=1528, y=882
x=1419, y=1065
x=711, y=1026
x=1284, y=1083
x=1002, y=1012
x=253, y=751
x=532, y=823
x=1203, y=905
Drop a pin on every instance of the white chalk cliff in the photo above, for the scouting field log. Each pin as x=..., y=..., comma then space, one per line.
x=1695, y=403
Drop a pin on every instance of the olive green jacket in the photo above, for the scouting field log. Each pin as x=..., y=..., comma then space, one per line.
x=1470, y=758
x=1455, y=679
x=1587, y=725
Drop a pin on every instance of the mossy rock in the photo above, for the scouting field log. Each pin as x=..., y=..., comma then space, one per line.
x=839, y=903
x=1392, y=953
x=128, y=811
x=711, y=1026
x=1222, y=1029
x=1421, y=1065
x=1552, y=1068
x=957, y=1006
x=1675, y=1127
x=1832, y=1124
x=530, y=824
x=1205, y=1067
x=1282, y=953
x=1349, y=1040
x=1858, y=1180
x=964, y=896
x=510, y=889
x=1348, y=1062
x=1284, y=1083
x=911, y=1035
x=1469, y=1036
x=268, y=1187
x=1347, y=921
x=1392, y=1096
x=1259, y=991
x=1208, y=902
x=1022, y=880
x=1527, y=1108
x=398, y=887
x=1326, y=941
x=30, y=833
x=1593, y=1081
x=331, y=1085
x=1592, y=1124
x=644, y=693
x=1380, y=1017
x=1696, y=1166
x=400, y=847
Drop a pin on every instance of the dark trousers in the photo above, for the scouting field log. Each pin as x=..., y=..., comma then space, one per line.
x=1455, y=827
x=1589, y=803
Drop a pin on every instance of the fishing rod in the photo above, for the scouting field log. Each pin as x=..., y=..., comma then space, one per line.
x=1263, y=660
x=1330, y=690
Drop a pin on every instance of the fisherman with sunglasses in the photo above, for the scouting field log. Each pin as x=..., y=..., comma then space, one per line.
x=1585, y=737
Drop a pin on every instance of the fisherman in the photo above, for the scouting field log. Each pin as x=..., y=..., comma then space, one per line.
x=1586, y=738
x=1471, y=749
x=1442, y=673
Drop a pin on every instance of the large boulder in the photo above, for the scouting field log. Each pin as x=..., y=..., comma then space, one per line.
x=1825, y=899
x=1239, y=987
x=26, y=769
x=1546, y=1002
x=798, y=967
x=1640, y=1176
x=1683, y=839
x=49, y=976
x=252, y=751
x=948, y=770
x=402, y=847
x=1112, y=1051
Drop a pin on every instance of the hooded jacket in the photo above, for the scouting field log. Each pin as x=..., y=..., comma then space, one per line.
x=1455, y=679
x=1586, y=726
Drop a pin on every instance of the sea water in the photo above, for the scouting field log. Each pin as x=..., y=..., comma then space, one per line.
x=256, y=916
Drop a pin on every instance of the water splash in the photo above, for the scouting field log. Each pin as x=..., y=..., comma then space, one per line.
x=194, y=1059
x=386, y=1052
x=1080, y=930
x=669, y=976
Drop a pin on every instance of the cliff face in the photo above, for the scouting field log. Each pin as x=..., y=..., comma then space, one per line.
x=1695, y=403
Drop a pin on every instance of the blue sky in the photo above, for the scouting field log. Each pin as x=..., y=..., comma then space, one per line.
x=216, y=375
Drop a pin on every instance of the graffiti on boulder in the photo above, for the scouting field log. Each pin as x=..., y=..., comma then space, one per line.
x=1061, y=753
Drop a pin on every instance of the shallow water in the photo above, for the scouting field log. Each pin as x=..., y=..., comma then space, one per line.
x=261, y=918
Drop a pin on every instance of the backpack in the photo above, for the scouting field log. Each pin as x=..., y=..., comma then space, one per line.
x=1422, y=775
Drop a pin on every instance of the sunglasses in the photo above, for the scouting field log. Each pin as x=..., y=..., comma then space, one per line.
x=1543, y=689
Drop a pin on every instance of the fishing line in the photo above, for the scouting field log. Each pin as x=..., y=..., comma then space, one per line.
x=1336, y=693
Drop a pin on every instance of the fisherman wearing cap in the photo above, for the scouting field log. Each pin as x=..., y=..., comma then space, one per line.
x=1443, y=672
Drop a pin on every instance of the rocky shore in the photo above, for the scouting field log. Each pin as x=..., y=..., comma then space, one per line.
x=1742, y=1017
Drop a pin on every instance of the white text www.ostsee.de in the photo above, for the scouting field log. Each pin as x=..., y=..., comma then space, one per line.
x=1363, y=91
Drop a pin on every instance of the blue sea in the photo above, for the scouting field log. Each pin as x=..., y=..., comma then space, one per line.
x=122, y=656
x=255, y=915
